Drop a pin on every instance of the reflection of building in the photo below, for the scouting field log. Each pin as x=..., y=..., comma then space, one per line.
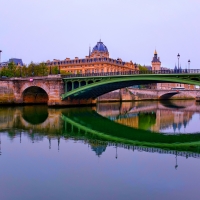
x=98, y=149
x=170, y=118
x=156, y=65
x=152, y=116
x=96, y=62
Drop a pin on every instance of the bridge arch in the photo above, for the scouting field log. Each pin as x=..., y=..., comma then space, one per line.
x=110, y=83
x=35, y=95
x=168, y=95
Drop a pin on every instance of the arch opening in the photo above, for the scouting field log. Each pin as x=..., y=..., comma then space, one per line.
x=168, y=95
x=35, y=114
x=83, y=83
x=76, y=84
x=90, y=82
x=69, y=86
x=35, y=95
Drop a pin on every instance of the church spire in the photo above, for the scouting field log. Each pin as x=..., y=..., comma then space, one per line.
x=89, y=51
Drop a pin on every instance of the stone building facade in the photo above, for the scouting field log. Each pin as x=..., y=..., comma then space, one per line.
x=98, y=61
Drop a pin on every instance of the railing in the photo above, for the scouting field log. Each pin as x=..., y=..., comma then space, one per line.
x=185, y=71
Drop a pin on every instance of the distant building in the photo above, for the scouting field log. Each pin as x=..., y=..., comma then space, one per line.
x=97, y=61
x=16, y=61
x=156, y=64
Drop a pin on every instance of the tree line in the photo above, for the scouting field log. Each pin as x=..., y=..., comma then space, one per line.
x=32, y=69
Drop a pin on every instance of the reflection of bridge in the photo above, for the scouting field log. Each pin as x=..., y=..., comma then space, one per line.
x=83, y=133
x=85, y=124
x=83, y=88
x=90, y=123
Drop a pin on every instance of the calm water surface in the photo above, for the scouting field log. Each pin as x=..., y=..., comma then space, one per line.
x=142, y=150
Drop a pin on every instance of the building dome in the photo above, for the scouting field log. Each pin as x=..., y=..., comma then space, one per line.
x=100, y=47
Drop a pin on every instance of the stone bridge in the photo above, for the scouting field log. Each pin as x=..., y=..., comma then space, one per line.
x=61, y=90
x=36, y=90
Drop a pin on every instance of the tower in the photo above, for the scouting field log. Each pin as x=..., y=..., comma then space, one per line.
x=89, y=51
x=156, y=64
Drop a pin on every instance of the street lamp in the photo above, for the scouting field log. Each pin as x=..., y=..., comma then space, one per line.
x=0, y=56
x=59, y=70
x=50, y=70
x=32, y=70
x=178, y=56
x=20, y=71
x=189, y=65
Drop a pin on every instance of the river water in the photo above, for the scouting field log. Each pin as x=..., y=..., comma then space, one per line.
x=130, y=150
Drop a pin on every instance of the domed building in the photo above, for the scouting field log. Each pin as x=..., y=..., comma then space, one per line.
x=99, y=50
x=98, y=61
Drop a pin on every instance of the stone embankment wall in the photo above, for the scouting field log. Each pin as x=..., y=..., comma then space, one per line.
x=129, y=94
x=6, y=92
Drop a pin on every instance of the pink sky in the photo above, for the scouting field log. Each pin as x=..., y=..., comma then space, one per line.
x=36, y=30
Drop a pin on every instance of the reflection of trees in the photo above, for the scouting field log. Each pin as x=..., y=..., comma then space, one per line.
x=146, y=120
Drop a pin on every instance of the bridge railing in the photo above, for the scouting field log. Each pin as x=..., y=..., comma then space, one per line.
x=178, y=71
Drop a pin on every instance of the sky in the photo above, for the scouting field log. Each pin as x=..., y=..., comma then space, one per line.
x=41, y=30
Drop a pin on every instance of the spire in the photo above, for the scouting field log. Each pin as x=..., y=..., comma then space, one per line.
x=89, y=51
x=155, y=52
x=175, y=68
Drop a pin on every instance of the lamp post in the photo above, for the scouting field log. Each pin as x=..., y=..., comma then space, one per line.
x=178, y=56
x=0, y=56
x=59, y=70
x=189, y=65
x=20, y=71
x=50, y=70
x=32, y=70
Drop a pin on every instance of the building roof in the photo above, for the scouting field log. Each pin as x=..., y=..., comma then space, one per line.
x=100, y=47
x=156, y=58
x=17, y=61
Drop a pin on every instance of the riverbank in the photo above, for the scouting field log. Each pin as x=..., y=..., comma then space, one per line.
x=130, y=94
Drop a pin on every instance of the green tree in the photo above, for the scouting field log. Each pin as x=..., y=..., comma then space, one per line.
x=142, y=68
x=63, y=72
x=24, y=71
x=54, y=70
x=10, y=70
x=43, y=69
x=31, y=71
